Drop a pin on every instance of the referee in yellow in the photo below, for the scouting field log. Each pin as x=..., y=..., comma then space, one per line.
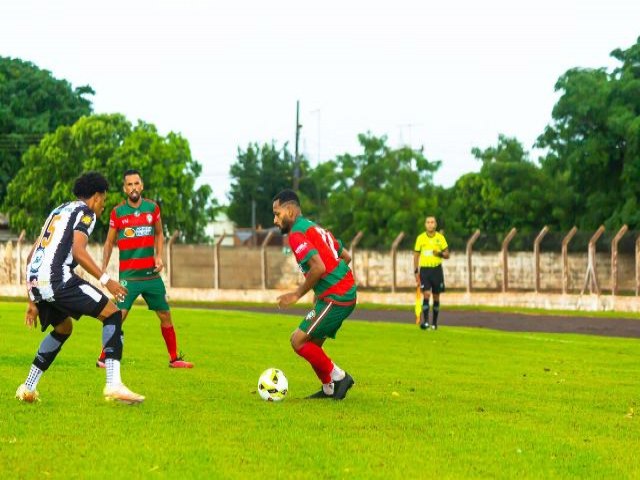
x=431, y=247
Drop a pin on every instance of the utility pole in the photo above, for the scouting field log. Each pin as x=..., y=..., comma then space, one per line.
x=296, y=166
x=401, y=139
x=318, y=154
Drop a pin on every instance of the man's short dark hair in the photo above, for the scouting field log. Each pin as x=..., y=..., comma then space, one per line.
x=88, y=184
x=131, y=171
x=286, y=196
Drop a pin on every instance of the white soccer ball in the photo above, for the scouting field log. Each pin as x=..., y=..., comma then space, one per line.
x=273, y=385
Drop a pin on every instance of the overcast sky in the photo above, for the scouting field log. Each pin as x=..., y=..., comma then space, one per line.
x=444, y=75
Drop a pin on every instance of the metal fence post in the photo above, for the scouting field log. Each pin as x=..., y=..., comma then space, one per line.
x=536, y=256
x=19, y=257
x=263, y=258
x=216, y=265
x=394, y=248
x=591, y=278
x=565, y=259
x=505, y=258
x=9, y=262
x=614, y=259
x=469, y=253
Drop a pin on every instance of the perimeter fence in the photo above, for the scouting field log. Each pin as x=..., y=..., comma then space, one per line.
x=575, y=261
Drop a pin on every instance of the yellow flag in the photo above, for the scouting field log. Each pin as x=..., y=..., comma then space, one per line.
x=418, y=305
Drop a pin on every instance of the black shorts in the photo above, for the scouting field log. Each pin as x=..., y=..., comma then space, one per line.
x=74, y=299
x=432, y=278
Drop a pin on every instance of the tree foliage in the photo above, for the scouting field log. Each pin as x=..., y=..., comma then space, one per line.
x=109, y=144
x=382, y=191
x=258, y=174
x=32, y=104
x=594, y=142
x=509, y=191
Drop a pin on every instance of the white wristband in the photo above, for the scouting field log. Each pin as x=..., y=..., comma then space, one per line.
x=104, y=279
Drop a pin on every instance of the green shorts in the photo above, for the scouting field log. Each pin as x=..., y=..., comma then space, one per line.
x=325, y=319
x=152, y=291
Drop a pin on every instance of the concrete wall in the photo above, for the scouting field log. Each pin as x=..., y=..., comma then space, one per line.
x=374, y=270
x=193, y=266
x=13, y=256
x=554, y=301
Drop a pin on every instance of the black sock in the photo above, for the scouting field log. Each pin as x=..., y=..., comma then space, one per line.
x=112, y=336
x=425, y=310
x=436, y=310
x=49, y=348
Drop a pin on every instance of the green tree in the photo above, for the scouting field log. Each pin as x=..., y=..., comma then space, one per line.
x=509, y=191
x=594, y=142
x=381, y=191
x=258, y=174
x=463, y=204
x=32, y=104
x=109, y=144
x=316, y=187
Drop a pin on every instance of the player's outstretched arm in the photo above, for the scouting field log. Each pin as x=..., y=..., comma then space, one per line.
x=316, y=270
x=31, y=315
x=33, y=249
x=416, y=260
x=107, y=249
x=159, y=246
x=416, y=267
x=346, y=256
x=86, y=261
x=82, y=256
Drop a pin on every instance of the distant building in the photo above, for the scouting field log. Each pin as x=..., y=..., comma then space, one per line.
x=249, y=238
x=221, y=225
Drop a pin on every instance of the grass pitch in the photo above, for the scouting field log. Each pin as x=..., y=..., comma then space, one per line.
x=456, y=403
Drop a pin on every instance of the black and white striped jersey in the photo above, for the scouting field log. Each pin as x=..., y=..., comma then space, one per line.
x=52, y=263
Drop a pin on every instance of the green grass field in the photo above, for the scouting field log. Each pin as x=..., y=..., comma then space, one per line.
x=456, y=403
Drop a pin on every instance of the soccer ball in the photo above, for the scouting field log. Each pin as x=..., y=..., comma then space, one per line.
x=272, y=385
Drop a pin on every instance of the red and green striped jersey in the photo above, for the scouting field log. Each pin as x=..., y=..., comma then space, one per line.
x=307, y=239
x=136, y=238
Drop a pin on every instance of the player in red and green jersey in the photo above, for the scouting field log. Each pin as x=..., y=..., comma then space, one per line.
x=136, y=226
x=325, y=265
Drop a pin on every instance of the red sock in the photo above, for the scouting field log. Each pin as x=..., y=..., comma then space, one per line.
x=321, y=375
x=321, y=364
x=169, y=335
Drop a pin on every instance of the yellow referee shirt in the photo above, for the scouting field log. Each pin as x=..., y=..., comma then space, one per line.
x=425, y=245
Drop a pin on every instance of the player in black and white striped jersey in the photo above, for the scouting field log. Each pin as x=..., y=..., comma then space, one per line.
x=57, y=294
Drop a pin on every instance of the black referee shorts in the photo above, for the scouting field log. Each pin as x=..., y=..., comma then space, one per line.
x=432, y=278
x=75, y=298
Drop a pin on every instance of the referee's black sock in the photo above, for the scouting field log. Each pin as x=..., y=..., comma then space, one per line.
x=436, y=310
x=425, y=310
